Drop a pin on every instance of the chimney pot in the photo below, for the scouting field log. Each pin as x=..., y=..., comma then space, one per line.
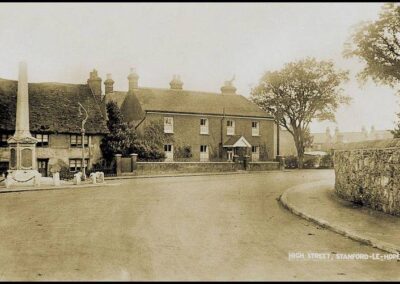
x=108, y=84
x=133, y=79
x=176, y=83
x=228, y=88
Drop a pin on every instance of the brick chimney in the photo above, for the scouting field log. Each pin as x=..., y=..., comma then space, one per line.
x=133, y=79
x=94, y=83
x=108, y=84
x=176, y=83
x=228, y=88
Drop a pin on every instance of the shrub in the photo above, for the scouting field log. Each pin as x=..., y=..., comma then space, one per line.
x=183, y=152
x=326, y=162
x=291, y=162
x=310, y=162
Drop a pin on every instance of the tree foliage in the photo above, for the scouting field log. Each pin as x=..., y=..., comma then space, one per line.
x=396, y=130
x=121, y=136
x=299, y=93
x=377, y=44
x=150, y=143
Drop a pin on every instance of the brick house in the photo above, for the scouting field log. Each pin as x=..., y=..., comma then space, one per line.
x=55, y=122
x=214, y=126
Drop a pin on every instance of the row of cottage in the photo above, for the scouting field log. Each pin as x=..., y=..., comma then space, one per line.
x=216, y=126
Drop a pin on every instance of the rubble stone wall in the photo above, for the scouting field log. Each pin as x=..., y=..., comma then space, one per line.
x=368, y=173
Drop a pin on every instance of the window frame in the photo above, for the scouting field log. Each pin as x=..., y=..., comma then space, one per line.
x=168, y=127
x=41, y=141
x=255, y=131
x=230, y=129
x=76, y=160
x=78, y=140
x=204, y=129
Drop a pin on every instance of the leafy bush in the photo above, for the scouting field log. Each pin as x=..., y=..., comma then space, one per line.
x=326, y=162
x=183, y=152
x=291, y=162
x=311, y=162
x=150, y=144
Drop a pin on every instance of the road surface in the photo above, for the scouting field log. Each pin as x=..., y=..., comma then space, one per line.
x=226, y=227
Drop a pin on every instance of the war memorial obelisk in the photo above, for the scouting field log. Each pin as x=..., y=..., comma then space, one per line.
x=23, y=166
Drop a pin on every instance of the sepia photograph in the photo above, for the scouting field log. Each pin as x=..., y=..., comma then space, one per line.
x=204, y=141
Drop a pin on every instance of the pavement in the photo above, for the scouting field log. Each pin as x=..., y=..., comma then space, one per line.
x=83, y=185
x=222, y=227
x=317, y=202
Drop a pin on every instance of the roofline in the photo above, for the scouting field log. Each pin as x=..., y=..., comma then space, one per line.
x=210, y=114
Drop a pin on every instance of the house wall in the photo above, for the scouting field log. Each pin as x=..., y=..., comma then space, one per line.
x=59, y=149
x=187, y=132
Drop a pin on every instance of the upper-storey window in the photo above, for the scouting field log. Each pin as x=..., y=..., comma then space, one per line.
x=203, y=126
x=76, y=140
x=168, y=125
x=230, y=127
x=255, y=128
x=3, y=139
x=43, y=140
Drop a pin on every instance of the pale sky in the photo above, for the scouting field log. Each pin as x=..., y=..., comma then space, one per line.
x=206, y=43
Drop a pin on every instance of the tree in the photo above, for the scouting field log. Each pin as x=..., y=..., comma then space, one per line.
x=120, y=138
x=377, y=43
x=299, y=93
x=396, y=130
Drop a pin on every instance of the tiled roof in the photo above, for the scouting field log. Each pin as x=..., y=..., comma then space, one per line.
x=182, y=101
x=53, y=107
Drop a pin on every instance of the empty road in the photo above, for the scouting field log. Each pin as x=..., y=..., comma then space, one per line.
x=226, y=227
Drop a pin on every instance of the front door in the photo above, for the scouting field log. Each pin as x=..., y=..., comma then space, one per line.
x=42, y=166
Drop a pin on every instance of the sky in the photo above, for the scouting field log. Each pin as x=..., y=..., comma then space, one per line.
x=205, y=43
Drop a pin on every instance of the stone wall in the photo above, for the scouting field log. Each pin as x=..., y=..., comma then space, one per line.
x=151, y=168
x=368, y=173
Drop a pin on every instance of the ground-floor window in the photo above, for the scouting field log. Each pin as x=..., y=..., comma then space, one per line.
x=255, y=153
x=75, y=165
x=169, y=152
x=203, y=153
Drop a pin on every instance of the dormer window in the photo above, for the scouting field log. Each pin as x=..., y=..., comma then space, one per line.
x=230, y=127
x=168, y=125
x=203, y=126
x=255, y=128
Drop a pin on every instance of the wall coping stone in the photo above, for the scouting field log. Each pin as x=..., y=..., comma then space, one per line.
x=200, y=163
x=369, y=145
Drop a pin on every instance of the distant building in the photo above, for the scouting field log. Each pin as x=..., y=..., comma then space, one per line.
x=327, y=140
